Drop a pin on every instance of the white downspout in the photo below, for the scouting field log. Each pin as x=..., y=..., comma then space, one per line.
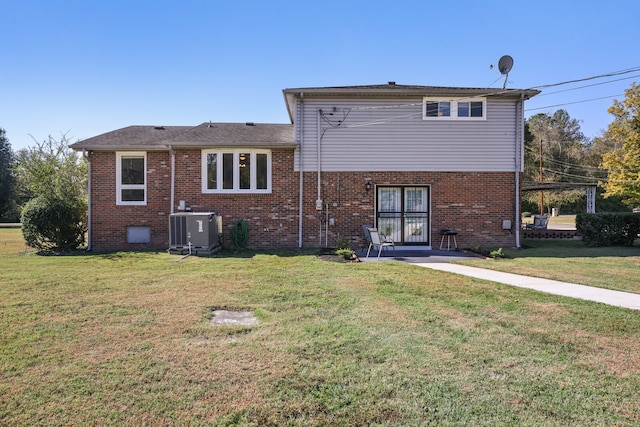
x=300, y=168
x=319, y=197
x=87, y=156
x=319, y=137
x=518, y=162
x=173, y=177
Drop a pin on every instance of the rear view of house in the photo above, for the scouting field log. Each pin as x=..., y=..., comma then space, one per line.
x=410, y=160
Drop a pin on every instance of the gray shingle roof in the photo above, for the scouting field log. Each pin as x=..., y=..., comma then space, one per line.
x=265, y=135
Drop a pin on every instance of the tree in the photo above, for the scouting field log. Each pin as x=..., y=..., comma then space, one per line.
x=555, y=149
x=8, y=204
x=623, y=162
x=51, y=168
x=55, y=176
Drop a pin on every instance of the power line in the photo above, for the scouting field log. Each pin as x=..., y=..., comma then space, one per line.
x=585, y=86
x=562, y=163
x=591, y=178
x=572, y=103
x=600, y=76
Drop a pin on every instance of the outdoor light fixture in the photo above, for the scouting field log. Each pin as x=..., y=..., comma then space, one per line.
x=368, y=185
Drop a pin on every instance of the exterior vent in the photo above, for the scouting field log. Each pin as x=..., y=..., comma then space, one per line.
x=195, y=232
x=250, y=124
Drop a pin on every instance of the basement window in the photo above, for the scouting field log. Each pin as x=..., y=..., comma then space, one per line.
x=138, y=235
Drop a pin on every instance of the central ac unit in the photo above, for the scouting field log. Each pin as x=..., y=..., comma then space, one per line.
x=195, y=232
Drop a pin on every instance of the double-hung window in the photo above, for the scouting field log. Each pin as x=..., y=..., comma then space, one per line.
x=236, y=171
x=131, y=178
x=454, y=109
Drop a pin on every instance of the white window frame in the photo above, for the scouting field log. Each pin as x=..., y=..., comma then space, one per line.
x=236, y=171
x=453, y=102
x=120, y=186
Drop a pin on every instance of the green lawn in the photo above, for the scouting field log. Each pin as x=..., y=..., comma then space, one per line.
x=125, y=339
x=571, y=261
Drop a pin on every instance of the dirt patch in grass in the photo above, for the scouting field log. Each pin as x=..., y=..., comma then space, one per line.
x=331, y=256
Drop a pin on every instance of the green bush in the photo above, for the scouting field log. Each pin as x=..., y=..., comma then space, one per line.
x=497, y=253
x=608, y=229
x=54, y=224
x=343, y=243
x=345, y=253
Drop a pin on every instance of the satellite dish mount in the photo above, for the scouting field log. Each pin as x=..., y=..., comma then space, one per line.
x=504, y=66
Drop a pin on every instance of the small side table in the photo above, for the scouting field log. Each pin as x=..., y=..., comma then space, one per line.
x=449, y=233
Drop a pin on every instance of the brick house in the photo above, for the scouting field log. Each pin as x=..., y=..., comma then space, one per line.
x=411, y=160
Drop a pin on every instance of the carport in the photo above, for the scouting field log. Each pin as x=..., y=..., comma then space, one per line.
x=589, y=188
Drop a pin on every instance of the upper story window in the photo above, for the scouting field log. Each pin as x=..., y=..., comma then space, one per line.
x=454, y=109
x=131, y=178
x=236, y=171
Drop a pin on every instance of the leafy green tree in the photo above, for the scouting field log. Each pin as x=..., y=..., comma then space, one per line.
x=55, y=176
x=623, y=162
x=51, y=168
x=556, y=142
x=8, y=203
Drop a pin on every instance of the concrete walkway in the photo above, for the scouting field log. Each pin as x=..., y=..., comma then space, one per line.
x=441, y=260
x=589, y=293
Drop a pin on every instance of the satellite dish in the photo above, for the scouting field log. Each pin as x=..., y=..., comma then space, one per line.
x=505, y=64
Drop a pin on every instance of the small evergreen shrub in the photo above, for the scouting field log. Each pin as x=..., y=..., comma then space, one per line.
x=608, y=229
x=343, y=243
x=54, y=224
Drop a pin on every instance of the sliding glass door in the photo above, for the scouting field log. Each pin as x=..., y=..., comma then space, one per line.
x=403, y=214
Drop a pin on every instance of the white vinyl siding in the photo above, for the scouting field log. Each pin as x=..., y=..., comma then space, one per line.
x=390, y=135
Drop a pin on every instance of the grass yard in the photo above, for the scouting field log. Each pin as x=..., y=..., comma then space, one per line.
x=125, y=339
x=571, y=261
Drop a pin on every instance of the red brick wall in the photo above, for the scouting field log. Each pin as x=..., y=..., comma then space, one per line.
x=109, y=222
x=473, y=203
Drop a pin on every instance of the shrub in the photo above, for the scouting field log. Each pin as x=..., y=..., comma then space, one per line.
x=343, y=243
x=608, y=229
x=497, y=253
x=54, y=224
x=345, y=253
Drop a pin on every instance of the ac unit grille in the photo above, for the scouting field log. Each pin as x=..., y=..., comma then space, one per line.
x=178, y=237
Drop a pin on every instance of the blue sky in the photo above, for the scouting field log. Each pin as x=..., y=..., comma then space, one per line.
x=87, y=67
